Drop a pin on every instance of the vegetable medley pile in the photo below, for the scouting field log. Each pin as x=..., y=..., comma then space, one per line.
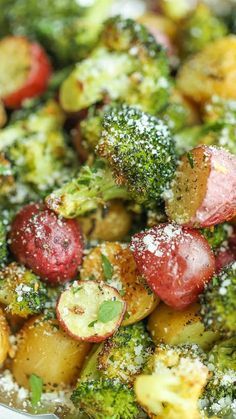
x=118, y=208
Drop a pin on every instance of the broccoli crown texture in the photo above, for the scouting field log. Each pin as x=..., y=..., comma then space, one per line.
x=21, y=291
x=93, y=186
x=7, y=182
x=217, y=235
x=128, y=66
x=223, y=354
x=140, y=150
x=219, y=396
x=105, y=399
x=125, y=354
x=218, y=302
x=37, y=149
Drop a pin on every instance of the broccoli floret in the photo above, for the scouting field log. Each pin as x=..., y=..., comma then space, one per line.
x=200, y=28
x=223, y=354
x=128, y=65
x=175, y=383
x=37, y=149
x=22, y=291
x=218, y=302
x=92, y=187
x=140, y=150
x=125, y=354
x=105, y=399
x=65, y=28
x=217, y=235
x=219, y=397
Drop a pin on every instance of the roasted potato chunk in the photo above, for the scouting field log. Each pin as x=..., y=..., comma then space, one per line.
x=110, y=223
x=45, y=350
x=179, y=327
x=210, y=72
x=114, y=264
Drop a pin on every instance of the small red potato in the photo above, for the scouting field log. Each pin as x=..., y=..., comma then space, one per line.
x=25, y=70
x=176, y=262
x=50, y=246
x=203, y=192
x=90, y=311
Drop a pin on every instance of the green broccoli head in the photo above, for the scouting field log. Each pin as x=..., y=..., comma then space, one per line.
x=22, y=291
x=200, y=28
x=37, y=149
x=140, y=150
x=105, y=399
x=217, y=235
x=218, y=398
x=218, y=302
x=124, y=355
x=223, y=354
x=127, y=66
x=92, y=187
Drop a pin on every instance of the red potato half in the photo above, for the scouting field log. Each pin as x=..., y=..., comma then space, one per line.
x=176, y=262
x=90, y=311
x=50, y=246
x=203, y=192
x=25, y=70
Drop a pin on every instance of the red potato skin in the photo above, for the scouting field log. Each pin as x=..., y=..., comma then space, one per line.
x=219, y=204
x=50, y=246
x=37, y=80
x=92, y=338
x=176, y=262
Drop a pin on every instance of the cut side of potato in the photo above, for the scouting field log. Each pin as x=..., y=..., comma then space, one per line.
x=90, y=311
x=114, y=263
x=180, y=327
x=47, y=351
x=203, y=192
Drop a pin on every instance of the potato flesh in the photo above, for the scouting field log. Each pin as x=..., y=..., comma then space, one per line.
x=210, y=72
x=15, y=62
x=4, y=337
x=189, y=186
x=45, y=350
x=179, y=327
x=204, y=190
x=139, y=299
x=78, y=307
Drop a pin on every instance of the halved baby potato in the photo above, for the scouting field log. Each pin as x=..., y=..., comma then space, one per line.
x=179, y=327
x=203, y=192
x=115, y=264
x=90, y=311
x=47, y=351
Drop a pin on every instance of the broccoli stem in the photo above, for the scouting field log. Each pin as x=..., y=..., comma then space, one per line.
x=92, y=187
